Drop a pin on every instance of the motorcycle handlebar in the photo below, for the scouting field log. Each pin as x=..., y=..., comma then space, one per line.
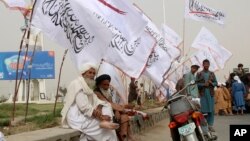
x=178, y=92
x=189, y=84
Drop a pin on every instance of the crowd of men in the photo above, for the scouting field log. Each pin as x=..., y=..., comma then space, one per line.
x=232, y=97
x=89, y=106
x=226, y=98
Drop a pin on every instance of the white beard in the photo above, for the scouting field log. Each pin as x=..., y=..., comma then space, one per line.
x=106, y=93
x=90, y=83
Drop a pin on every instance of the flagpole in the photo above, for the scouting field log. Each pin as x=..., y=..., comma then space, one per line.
x=184, y=32
x=28, y=93
x=97, y=71
x=164, y=12
x=149, y=90
x=183, y=36
x=18, y=59
x=59, y=79
x=126, y=84
x=165, y=78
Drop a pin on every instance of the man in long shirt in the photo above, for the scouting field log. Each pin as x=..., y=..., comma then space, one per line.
x=191, y=90
x=206, y=83
x=83, y=111
x=102, y=91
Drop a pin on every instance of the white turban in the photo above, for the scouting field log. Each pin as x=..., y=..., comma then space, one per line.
x=237, y=78
x=85, y=67
x=219, y=83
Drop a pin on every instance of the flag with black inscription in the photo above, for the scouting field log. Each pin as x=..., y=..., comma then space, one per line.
x=200, y=12
x=163, y=55
x=158, y=64
x=171, y=50
x=130, y=57
x=73, y=27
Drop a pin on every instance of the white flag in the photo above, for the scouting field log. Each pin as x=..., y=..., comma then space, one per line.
x=116, y=80
x=120, y=14
x=15, y=3
x=201, y=55
x=178, y=69
x=172, y=51
x=73, y=27
x=170, y=85
x=205, y=40
x=20, y=5
x=170, y=36
x=162, y=56
x=221, y=58
x=130, y=58
x=205, y=37
x=158, y=64
x=200, y=12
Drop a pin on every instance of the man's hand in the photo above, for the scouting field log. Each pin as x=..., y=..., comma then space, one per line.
x=97, y=113
x=99, y=108
x=210, y=82
x=206, y=84
x=105, y=118
x=117, y=107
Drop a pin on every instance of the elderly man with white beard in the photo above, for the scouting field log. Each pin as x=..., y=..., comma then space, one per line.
x=83, y=111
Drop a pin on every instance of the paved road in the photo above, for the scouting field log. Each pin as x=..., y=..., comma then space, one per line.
x=160, y=131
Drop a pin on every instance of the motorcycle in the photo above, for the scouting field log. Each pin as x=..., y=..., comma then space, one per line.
x=187, y=123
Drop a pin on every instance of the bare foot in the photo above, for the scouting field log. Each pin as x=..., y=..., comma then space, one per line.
x=109, y=125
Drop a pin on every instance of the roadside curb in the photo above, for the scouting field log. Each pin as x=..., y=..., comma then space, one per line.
x=137, y=123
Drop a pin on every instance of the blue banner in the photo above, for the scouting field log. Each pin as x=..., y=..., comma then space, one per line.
x=43, y=65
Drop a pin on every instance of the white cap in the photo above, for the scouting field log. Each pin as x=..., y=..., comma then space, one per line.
x=236, y=77
x=197, y=65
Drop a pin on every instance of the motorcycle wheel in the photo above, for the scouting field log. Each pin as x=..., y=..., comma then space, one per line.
x=200, y=136
x=175, y=134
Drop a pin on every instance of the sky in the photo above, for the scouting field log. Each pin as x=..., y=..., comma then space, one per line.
x=234, y=35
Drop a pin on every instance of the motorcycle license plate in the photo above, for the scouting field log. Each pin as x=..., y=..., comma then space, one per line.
x=187, y=129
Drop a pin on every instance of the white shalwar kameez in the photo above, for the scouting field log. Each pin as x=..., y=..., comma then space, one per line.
x=79, y=116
